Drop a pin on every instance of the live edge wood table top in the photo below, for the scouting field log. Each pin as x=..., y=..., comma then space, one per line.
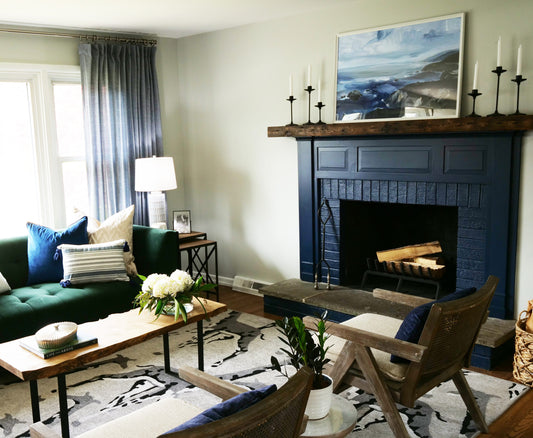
x=114, y=333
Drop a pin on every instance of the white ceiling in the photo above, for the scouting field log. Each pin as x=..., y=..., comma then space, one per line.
x=166, y=18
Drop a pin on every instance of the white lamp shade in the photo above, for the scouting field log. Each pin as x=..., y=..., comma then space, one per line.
x=155, y=174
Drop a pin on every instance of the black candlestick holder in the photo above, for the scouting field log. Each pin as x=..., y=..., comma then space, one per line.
x=518, y=79
x=291, y=99
x=499, y=70
x=474, y=94
x=320, y=105
x=309, y=89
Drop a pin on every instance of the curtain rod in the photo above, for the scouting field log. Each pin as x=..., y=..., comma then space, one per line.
x=93, y=38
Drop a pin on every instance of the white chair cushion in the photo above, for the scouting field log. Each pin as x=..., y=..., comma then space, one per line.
x=149, y=421
x=383, y=325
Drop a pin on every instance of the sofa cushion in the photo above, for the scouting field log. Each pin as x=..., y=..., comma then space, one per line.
x=93, y=263
x=379, y=324
x=4, y=285
x=118, y=226
x=39, y=305
x=42, y=245
x=414, y=322
x=226, y=408
x=139, y=424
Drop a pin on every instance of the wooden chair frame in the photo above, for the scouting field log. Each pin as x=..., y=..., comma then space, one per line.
x=444, y=348
x=281, y=414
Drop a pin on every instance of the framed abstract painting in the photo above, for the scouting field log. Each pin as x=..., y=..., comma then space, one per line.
x=405, y=71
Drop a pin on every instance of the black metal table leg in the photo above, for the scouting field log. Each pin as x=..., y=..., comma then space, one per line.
x=34, y=394
x=166, y=352
x=200, y=329
x=63, y=408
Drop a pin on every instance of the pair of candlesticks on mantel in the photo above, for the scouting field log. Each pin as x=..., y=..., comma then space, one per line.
x=309, y=89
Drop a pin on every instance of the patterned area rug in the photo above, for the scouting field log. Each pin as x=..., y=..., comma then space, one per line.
x=238, y=347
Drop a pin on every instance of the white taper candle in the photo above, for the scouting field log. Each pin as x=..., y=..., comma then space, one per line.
x=519, y=61
x=474, y=87
x=290, y=85
x=499, y=53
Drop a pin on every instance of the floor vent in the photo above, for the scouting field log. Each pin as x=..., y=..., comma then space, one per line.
x=247, y=285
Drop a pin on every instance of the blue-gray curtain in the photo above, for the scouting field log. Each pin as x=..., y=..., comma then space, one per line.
x=122, y=122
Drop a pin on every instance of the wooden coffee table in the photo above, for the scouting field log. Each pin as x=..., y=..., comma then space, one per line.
x=116, y=332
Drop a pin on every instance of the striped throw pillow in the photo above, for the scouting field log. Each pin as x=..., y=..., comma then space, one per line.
x=92, y=263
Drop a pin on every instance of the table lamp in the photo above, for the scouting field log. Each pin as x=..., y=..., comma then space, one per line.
x=155, y=175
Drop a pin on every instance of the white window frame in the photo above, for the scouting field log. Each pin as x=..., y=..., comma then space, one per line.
x=47, y=163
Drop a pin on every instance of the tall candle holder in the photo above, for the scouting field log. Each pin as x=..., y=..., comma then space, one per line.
x=518, y=79
x=291, y=99
x=499, y=70
x=309, y=90
x=320, y=105
x=474, y=94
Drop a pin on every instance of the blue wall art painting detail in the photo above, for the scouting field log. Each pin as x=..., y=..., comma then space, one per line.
x=405, y=71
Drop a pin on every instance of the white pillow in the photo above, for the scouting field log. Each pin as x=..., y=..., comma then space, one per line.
x=4, y=285
x=118, y=226
x=93, y=263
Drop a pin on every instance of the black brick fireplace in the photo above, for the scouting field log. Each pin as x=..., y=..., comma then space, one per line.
x=468, y=182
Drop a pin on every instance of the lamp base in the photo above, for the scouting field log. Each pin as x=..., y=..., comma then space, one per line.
x=157, y=210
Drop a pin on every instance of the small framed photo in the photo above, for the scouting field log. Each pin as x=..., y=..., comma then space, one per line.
x=182, y=221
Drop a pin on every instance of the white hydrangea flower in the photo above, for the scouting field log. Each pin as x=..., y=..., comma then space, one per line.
x=165, y=287
x=150, y=281
x=183, y=279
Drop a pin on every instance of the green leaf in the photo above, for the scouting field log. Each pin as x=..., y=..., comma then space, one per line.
x=183, y=312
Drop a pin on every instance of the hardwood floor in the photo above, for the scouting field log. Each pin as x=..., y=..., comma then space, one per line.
x=516, y=422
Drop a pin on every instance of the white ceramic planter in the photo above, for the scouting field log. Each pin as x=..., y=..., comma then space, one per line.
x=319, y=401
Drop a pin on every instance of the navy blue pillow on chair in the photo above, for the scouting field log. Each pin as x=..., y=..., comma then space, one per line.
x=226, y=408
x=42, y=245
x=414, y=322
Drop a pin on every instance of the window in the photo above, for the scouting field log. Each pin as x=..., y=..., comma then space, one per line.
x=42, y=150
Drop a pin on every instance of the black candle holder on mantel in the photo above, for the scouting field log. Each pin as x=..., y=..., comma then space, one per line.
x=499, y=71
x=309, y=90
x=518, y=79
x=475, y=93
x=320, y=105
x=291, y=99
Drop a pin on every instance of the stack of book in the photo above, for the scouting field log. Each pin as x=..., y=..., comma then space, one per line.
x=81, y=340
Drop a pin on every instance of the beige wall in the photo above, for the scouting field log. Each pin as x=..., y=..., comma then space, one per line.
x=242, y=186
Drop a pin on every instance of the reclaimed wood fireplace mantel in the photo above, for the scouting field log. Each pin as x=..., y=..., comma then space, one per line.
x=403, y=127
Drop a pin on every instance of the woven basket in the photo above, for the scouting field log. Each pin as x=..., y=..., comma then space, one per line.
x=523, y=356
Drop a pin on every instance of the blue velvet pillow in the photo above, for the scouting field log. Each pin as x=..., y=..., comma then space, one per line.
x=42, y=245
x=226, y=408
x=414, y=322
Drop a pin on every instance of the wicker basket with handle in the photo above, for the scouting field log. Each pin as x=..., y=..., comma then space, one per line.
x=523, y=356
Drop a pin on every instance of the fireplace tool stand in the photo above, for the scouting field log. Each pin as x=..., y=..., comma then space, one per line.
x=323, y=223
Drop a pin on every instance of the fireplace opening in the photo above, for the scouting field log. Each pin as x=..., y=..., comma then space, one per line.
x=367, y=227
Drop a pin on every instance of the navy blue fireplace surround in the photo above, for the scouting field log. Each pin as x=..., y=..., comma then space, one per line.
x=476, y=174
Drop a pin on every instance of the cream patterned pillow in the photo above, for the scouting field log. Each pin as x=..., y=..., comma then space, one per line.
x=4, y=285
x=118, y=226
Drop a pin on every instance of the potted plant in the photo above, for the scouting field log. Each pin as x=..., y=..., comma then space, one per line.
x=308, y=348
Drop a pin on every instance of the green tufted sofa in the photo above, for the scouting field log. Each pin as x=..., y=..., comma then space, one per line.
x=25, y=309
